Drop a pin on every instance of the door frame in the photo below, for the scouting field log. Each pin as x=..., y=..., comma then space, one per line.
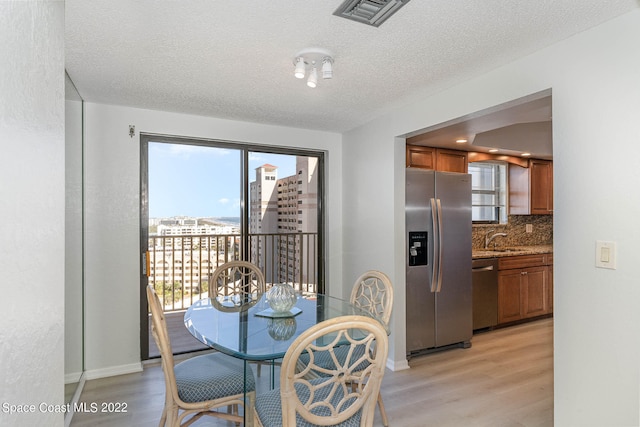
x=245, y=149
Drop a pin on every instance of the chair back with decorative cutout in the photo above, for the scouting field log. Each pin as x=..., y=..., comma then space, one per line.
x=236, y=285
x=345, y=389
x=373, y=292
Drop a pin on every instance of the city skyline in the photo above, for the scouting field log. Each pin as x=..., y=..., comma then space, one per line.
x=199, y=181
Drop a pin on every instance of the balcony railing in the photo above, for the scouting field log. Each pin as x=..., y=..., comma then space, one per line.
x=180, y=265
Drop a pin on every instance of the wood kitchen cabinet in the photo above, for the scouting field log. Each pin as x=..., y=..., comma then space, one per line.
x=531, y=188
x=524, y=287
x=438, y=159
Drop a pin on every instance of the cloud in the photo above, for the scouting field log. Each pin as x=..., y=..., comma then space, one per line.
x=223, y=201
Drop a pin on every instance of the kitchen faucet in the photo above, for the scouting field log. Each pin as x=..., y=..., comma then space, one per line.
x=488, y=239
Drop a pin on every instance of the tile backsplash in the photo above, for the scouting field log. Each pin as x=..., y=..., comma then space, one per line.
x=542, y=233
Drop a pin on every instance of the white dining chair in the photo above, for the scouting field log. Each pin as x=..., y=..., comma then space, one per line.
x=372, y=292
x=238, y=285
x=235, y=285
x=344, y=394
x=201, y=385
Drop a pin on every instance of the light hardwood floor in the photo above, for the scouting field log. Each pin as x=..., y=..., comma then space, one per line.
x=504, y=379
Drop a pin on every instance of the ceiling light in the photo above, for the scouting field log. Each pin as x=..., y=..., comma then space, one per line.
x=493, y=150
x=313, y=57
x=300, y=68
x=460, y=141
x=313, y=77
x=327, y=69
x=525, y=154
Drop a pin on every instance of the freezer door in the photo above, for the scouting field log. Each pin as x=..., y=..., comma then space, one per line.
x=454, y=317
x=420, y=301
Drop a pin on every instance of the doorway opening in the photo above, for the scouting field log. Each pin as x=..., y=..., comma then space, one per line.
x=508, y=150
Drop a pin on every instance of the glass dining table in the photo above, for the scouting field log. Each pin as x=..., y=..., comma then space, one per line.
x=252, y=333
x=249, y=333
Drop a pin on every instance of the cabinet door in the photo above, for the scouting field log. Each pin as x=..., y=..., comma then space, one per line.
x=541, y=186
x=451, y=161
x=509, y=296
x=421, y=157
x=535, y=298
x=531, y=189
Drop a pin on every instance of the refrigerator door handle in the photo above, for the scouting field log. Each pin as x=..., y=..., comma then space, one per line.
x=440, y=241
x=435, y=271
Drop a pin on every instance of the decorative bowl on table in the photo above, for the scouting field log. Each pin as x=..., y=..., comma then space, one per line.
x=281, y=298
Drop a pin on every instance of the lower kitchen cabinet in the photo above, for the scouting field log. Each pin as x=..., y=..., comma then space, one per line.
x=524, y=287
x=509, y=296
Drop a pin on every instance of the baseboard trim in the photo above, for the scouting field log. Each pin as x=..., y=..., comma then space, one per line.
x=73, y=377
x=112, y=371
x=74, y=400
x=397, y=365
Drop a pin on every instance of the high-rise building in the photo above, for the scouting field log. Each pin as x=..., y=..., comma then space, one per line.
x=282, y=214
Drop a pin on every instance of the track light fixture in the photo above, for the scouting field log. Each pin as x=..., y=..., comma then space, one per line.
x=327, y=68
x=312, y=58
x=300, y=68
x=312, y=81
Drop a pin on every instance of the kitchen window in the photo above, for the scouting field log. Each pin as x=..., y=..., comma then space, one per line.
x=488, y=192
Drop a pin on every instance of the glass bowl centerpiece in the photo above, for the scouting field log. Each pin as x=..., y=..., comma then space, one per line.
x=281, y=297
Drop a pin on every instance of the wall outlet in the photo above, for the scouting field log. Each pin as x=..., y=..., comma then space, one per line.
x=528, y=228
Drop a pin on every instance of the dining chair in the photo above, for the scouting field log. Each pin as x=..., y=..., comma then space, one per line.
x=235, y=285
x=343, y=395
x=201, y=385
x=373, y=292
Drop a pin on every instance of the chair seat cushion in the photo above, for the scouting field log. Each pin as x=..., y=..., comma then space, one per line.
x=210, y=377
x=269, y=406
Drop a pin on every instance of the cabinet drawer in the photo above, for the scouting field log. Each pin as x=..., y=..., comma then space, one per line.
x=522, y=261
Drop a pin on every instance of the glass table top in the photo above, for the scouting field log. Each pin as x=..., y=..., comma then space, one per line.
x=251, y=333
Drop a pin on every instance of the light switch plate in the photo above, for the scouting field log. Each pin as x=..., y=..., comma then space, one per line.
x=605, y=254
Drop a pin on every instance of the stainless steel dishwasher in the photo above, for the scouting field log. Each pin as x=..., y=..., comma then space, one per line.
x=485, y=292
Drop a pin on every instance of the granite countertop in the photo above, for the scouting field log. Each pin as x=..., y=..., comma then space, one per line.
x=500, y=252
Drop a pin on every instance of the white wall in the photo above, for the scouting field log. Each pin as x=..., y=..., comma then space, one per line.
x=32, y=210
x=595, y=78
x=112, y=206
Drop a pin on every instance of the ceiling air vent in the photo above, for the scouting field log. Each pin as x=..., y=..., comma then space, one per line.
x=371, y=12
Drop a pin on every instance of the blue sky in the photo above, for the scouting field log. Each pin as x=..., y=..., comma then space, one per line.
x=202, y=181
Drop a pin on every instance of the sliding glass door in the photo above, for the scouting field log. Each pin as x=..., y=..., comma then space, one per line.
x=204, y=203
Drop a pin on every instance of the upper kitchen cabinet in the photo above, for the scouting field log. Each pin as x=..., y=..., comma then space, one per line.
x=531, y=188
x=438, y=159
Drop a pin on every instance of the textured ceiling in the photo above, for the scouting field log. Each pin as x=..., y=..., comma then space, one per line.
x=233, y=59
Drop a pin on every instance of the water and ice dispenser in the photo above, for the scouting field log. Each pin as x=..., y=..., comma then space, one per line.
x=417, y=248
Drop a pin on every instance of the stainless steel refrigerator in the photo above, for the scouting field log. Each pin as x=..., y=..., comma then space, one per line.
x=438, y=224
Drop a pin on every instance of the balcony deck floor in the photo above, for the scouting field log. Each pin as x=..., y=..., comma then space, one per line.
x=181, y=340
